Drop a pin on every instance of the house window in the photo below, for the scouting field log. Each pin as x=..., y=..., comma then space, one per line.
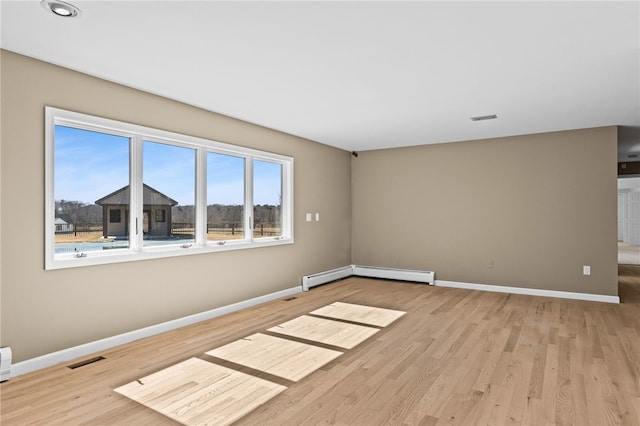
x=88, y=163
x=115, y=216
x=161, y=215
x=225, y=197
x=170, y=172
x=267, y=199
x=160, y=193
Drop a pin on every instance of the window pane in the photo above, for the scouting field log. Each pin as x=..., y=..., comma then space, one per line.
x=91, y=182
x=225, y=197
x=169, y=174
x=267, y=199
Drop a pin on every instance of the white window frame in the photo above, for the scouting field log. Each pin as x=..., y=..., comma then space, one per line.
x=137, y=134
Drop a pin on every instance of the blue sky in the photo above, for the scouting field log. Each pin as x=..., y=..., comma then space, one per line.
x=90, y=165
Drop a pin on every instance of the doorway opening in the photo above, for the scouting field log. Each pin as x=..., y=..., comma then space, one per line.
x=629, y=220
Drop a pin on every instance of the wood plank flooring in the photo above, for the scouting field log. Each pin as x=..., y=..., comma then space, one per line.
x=281, y=357
x=321, y=330
x=368, y=315
x=456, y=357
x=197, y=392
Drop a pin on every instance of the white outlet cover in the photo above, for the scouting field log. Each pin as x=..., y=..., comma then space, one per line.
x=317, y=217
x=586, y=270
x=308, y=217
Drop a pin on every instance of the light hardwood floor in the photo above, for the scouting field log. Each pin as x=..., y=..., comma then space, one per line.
x=628, y=254
x=457, y=357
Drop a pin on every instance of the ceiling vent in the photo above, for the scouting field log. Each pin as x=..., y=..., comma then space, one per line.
x=484, y=117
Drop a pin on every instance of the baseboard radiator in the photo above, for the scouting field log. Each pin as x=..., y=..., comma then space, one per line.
x=309, y=281
x=320, y=278
x=427, y=277
x=5, y=363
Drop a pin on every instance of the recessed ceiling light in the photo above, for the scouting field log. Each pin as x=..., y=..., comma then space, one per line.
x=60, y=8
x=484, y=117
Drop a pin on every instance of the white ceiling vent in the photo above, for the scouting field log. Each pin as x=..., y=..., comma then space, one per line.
x=484, y=117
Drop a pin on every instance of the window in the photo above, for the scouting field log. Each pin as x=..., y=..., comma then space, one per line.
x=130, y=192
x=267, y=196
x=225, y=197
x=169, y=176
x=115, y=216
x=161, y=215
x=89, y=164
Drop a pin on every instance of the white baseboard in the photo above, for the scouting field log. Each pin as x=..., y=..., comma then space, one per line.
x=530, y=291
x=68, y=354
x=428, y=277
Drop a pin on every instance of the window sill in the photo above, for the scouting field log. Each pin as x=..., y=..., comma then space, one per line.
x=126, y=255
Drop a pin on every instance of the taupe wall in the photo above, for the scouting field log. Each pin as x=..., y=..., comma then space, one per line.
x=540, y=206
x=44, y=311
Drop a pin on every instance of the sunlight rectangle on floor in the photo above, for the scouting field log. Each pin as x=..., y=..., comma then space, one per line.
x=330, y=332
x=369, y=315
x=280, y=357
x=197, y=392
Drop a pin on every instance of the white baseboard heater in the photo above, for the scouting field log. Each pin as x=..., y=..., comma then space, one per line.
x=5, y=363
x=320, y=278
x=309, y=281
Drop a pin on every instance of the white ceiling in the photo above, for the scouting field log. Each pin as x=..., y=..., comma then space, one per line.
x=361, y=75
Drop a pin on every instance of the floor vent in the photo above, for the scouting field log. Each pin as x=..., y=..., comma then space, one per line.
x=86, y=362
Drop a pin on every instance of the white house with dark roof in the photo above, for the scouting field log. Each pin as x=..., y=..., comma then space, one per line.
x=62, y=226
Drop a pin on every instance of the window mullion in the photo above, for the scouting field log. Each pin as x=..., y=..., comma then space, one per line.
x=136, y=194
x=248, y=198
x=201, y=197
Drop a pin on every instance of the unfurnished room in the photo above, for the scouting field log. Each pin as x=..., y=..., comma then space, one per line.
x=319, y=212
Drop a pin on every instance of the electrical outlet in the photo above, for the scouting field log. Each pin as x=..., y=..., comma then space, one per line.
x=586, y=270
x=491, y=264
x=308, y=217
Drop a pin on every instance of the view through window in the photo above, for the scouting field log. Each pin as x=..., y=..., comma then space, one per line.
x=267, y=196
x=169, y=176
x=117, y=189
x=89, y=167
x=225, y=197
